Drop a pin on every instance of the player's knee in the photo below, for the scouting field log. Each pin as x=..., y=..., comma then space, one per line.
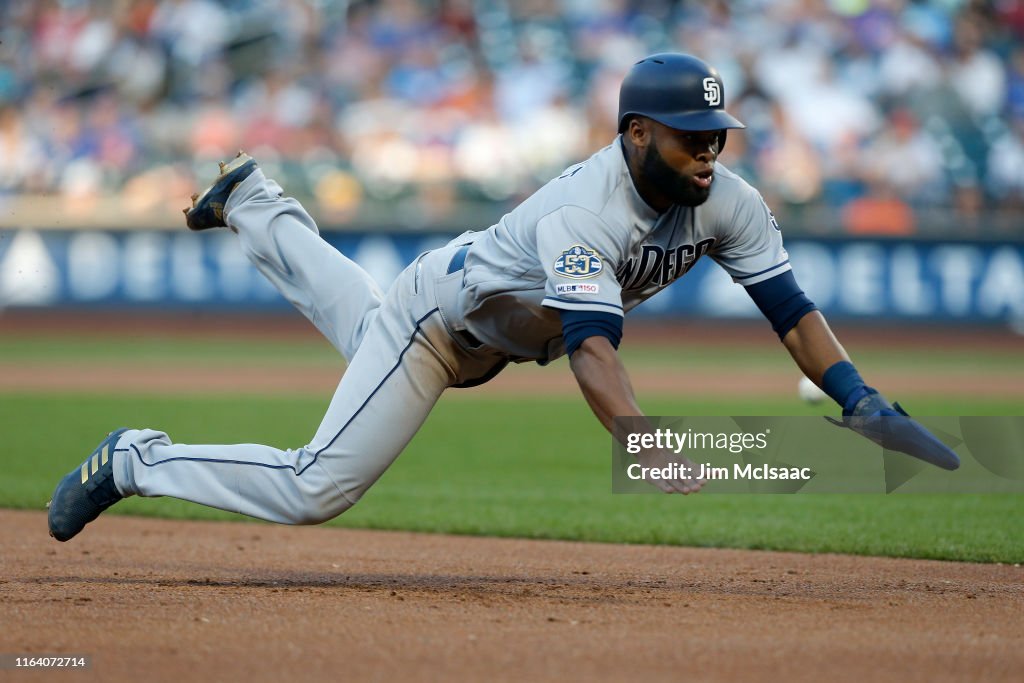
x=319, y=507
x=310, y=515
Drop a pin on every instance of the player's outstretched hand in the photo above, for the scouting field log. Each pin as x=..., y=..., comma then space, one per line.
x=661, y=460
x=872, y=416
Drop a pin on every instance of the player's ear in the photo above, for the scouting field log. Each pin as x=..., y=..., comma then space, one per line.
x=639, y=131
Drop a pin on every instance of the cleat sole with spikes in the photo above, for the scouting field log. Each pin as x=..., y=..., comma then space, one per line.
x=207, y=209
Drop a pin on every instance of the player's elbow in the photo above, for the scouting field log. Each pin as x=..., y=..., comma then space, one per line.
x=592, y=347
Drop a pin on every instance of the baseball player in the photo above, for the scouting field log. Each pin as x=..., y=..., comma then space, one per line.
x=555, y=276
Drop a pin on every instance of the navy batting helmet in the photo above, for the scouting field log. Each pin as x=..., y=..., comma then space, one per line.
x=679, y=91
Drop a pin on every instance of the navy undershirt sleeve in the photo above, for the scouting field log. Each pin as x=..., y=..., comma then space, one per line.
x=781, y=301
x=578, y=325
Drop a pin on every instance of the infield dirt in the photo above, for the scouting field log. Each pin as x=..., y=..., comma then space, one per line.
x=187, y=601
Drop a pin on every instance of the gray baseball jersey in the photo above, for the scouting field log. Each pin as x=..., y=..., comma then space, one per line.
x=585, y=241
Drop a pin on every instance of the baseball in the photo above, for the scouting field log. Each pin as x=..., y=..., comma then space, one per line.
x=809, y=391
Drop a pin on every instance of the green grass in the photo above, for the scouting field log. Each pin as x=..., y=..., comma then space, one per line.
x=700, y=354
x=536, y=468
x=203, y=351
x=770, y=355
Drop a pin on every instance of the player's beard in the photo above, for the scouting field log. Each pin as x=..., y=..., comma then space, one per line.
x=680, y=189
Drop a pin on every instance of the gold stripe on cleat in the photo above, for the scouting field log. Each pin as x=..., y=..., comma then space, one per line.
x=95, y=463
x=85, y=471
x=104, y=455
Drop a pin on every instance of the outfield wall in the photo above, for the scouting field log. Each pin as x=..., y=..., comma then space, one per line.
x=969, y=281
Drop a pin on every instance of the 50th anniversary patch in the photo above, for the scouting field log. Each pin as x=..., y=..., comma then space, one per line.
x=578, y=262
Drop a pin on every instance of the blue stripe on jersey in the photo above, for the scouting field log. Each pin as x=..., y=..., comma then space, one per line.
x=581, y=303
x=762, y=272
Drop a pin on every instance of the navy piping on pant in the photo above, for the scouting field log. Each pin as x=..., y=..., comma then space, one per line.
x=316, y=455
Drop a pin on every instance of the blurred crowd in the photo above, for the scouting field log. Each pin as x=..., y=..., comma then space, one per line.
x=875, y=110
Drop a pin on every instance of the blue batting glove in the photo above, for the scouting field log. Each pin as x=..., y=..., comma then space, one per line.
x=869, y=414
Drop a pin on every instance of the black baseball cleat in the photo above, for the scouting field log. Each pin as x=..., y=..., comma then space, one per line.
x=208, y=207
x=85, y=492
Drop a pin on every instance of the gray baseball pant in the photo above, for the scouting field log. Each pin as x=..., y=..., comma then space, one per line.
x=401, y=357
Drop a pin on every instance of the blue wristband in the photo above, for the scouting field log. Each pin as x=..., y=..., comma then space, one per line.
x=842, y=382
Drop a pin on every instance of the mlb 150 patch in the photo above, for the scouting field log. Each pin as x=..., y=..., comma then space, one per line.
x=578, y=288
x=578, y=261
